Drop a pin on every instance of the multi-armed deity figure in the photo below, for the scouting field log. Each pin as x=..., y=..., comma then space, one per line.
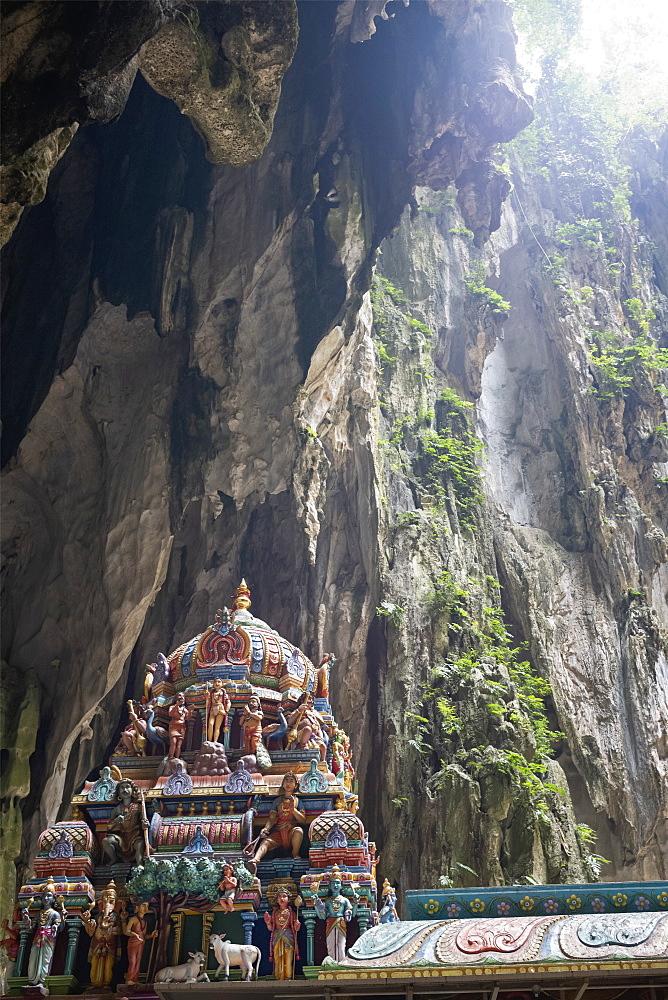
x=46, y=924
x=282, y=829
x=337, y=910
x=283, y=924
x=125, y=839
x=103, y=931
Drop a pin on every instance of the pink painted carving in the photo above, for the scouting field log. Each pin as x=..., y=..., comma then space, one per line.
x=215, y=648
x=496, y=935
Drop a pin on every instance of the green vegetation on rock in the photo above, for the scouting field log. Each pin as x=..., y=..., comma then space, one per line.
x=475, y=285
x=450, y=457
x=509, y=704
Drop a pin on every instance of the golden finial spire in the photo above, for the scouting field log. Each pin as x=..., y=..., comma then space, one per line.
x=242, y=599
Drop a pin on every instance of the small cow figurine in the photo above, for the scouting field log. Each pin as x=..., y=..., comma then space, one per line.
x=228, y=954
x=189, y=972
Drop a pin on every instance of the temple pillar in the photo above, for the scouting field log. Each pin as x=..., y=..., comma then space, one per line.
x=309, y=918
x=177, y=920
x=73, y=930
x=21, y=954
x=207, y=924
x=249, y=917
x=363, y=917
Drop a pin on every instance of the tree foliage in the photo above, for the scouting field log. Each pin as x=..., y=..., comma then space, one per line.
x=184, y=877
x=172, y=885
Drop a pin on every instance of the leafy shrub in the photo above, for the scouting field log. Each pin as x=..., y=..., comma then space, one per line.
x=475, y=284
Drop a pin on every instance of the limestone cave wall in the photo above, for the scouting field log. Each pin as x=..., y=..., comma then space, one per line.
x=194, y=391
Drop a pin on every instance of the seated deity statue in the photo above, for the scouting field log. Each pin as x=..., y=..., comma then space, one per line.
x=306, y=727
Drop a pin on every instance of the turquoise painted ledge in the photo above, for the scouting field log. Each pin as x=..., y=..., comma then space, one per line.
x=533, y=900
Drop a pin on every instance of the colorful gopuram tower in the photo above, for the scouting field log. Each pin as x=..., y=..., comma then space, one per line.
x=230, y=782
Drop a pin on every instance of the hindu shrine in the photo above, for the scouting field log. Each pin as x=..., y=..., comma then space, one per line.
x=226, y=812
x=222, y=837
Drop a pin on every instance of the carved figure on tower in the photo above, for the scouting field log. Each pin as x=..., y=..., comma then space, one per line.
x=133, y=737
x=322, y=675
x=337, y=910
x=46, y=925
x=179, y=713
x=218, y=705
x=10, y=942
x=284, y=926
x=251, y=723
x=306, y=727
x=136, y=931
x=282, y=828
x=125, y=839
x=228, y=888
x=388, y=912
x=103, y=932
x=156, y=673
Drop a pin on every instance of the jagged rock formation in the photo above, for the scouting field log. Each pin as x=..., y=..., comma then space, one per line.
x=69, y=64
x=573, y=527
x=194, y=397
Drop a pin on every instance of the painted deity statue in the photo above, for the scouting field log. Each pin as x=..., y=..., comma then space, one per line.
x=282, y=829
x=103, y=932
x=155, y=674
x=133, y=737
x=218, y=705
x=388, y=911
x=322, y=675
x=125, y=830
x=306, y=728
x=10, y=942
x=283, y=946
x=228, y=888
x=179, y=713
x=337, y=911
x=136, y=931
x=46, y=924
x=348, y=769
x=251, y=723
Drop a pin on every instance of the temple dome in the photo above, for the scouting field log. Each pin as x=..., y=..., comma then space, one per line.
x=239, y=646
x=348, y=822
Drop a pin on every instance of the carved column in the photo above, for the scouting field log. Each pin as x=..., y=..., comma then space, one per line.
x=249, y=917
x=21, y=954
x=207, y=924
x=177, y=920
x=309, y=918
x=363, y=916
x=73, y=930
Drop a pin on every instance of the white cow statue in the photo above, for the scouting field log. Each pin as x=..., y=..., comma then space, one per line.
x=189, y=972
x=228, y=954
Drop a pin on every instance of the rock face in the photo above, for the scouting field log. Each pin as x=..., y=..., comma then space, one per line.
x=196, y=395
x=70, y=63
x=572, y=527
x=223, y=68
